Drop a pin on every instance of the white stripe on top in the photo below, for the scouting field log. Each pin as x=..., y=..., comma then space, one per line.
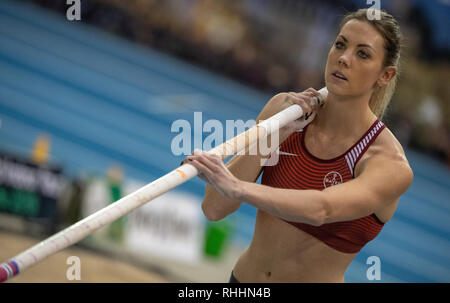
x=352, y=155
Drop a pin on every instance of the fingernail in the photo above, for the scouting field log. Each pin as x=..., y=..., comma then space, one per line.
x=189, y=159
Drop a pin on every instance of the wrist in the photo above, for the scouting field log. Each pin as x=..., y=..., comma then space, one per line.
x=238, y=190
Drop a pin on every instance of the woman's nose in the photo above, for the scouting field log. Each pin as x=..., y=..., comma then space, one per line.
x=344, y=60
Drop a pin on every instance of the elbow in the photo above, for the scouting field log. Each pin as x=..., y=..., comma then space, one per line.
x=216, y=207
x=212, y=217
x=323, y=213
x=209, y=208
x=211, y=214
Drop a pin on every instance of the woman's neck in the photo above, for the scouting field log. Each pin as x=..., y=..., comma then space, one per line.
x=344, y=116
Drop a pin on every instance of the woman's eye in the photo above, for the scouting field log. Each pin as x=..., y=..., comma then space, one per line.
x=339, y=44
x=363, y=55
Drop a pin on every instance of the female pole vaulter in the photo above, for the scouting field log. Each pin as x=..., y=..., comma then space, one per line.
x=337, y=181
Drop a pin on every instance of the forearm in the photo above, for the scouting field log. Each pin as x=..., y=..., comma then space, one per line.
x=305, y=206
x=216, y=206
x=219, y=198
x=245, y=167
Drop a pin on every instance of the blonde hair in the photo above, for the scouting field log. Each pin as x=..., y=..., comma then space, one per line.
x=389, y=28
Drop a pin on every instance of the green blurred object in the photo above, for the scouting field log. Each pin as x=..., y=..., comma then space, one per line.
x=217, y=237
x=74, y=213
x=116, y=230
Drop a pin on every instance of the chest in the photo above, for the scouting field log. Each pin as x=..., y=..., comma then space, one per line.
x=324, y=147
x=296, y=168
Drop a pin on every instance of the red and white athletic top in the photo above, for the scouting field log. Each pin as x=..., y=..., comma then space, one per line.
x=298, y=169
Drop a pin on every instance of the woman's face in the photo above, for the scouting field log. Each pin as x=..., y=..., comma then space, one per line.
x=355, y=61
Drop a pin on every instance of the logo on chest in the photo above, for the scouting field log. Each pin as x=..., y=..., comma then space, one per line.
x=332, y=178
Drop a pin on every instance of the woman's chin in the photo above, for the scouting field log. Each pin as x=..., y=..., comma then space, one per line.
x=336, y=89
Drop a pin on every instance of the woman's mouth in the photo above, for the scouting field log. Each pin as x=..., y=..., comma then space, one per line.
x=339, y=75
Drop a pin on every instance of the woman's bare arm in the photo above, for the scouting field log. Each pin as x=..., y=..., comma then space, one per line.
x=217, y=206
x=383, y=179
x=246, y=167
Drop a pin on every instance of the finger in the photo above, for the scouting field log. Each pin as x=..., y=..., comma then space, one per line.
x=197, y=152
x=213, y=158
x=313, y=91
x=185, y=160
x=307, y=116
x=204, y=160
x=311, y=96
x=304, y=104
x=189, y=161
x=201, y=153
x=303, y=100
x=307, y=98
x=201, y=168
x=302, y=95
x=316, y=102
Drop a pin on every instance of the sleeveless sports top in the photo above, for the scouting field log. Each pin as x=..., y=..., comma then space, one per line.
x=298, y=169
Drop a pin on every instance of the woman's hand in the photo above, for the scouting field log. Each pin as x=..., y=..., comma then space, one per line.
x=284, y=100
x=213, y=171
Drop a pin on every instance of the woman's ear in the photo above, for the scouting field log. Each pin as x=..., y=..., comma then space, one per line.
x=387, y=74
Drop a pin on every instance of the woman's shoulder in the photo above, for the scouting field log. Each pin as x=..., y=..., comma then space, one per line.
x=386, y=146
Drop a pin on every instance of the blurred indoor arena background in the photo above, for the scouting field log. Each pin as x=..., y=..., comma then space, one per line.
x=86, y=109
